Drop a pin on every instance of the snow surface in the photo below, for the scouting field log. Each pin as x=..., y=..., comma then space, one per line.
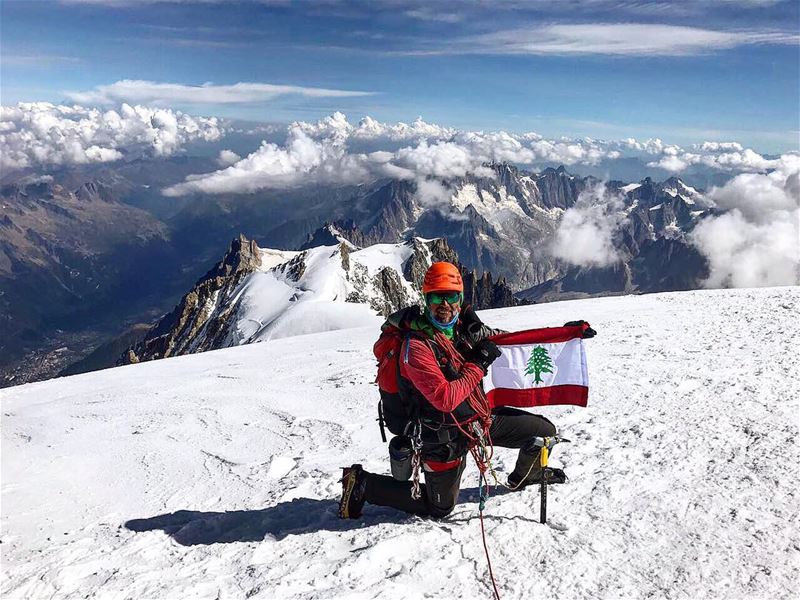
x=216, y=475
x=630, y=187
x=498, y=207
x=270, y=304
x=271, y=257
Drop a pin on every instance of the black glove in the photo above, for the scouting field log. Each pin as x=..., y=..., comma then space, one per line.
x=587, y=333
x=483, y=354
x=472, y=322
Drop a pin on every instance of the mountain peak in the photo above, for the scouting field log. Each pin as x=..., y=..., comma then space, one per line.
x=94, y=190
x=242, y=255
x=331, y=234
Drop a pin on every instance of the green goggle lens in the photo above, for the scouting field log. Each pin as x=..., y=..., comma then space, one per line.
x=449, y=297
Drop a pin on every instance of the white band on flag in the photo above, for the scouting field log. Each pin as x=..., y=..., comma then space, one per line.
x=539, y=367
x=511, y=370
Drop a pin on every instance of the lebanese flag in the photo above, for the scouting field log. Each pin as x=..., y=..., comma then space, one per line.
x=539, y=367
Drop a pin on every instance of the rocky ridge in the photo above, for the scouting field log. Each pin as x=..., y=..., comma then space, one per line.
x=197, y=324
x=218, y=312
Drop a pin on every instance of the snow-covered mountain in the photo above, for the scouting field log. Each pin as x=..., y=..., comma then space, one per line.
x=254, y=295
x=216, y=475
x=506, y=222
x=503, y=222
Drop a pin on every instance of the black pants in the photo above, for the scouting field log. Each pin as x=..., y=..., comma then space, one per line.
x=511, y=428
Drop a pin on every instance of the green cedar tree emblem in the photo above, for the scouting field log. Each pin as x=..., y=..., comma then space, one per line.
x=539, y=363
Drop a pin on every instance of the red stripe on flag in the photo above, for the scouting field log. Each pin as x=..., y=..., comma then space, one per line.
x=546, y=335
x=544, y=396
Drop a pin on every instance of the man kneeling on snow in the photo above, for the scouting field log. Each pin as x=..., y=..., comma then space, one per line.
x=445, y=354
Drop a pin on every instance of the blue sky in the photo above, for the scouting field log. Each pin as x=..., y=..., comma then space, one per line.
x=685, y=71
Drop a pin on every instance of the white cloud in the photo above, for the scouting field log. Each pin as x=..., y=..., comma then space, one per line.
x=422, y=150
x=227, y=158
x=441, y=159
x=650, y=146
x=724, y=156
x=719, y=147
x=34, y=134
x=429, y=14
x=319, y=153
x=302, y=161
x=435, y=195
x=38, y=60
x=756, y=243
x=620, y=39
x=570, y=152
x=151, y=92
x=337, y=125
x=586, y=231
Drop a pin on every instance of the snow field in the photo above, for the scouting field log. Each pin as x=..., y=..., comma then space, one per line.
x=224, y=466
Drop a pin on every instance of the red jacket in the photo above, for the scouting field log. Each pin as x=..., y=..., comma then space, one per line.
x=418, y=364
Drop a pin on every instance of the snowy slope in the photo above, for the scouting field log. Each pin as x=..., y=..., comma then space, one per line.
x=315, y=301
x=279, y=301
x=683, y=468
x=256, y=295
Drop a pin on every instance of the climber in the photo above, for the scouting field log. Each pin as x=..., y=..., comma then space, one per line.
x=444, y=355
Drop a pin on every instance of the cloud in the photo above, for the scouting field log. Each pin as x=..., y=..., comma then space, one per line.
x=303, y=160
x=724, y=156
x=369, y=129
x=151, y=92
x=585, y=235
x=435, y=195
x=719, y=147
x=570, y=152
x=319, y=153
x=611, y=39
x=423, y=13
x=38, y=60
x=757, y=242
x=441, y=159
x=227, y=158
x=335, y=150
x=35, y=134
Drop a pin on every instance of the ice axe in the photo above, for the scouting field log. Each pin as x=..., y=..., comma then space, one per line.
x=545, y=443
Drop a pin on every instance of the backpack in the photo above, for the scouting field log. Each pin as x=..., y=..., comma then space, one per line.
x=395, y=410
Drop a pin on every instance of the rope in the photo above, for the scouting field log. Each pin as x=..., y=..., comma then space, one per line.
x=486, y=548
x=481, y=454
x=416, y=461
x=479, y=442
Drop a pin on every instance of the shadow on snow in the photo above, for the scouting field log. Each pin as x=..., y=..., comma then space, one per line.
x=295, y=517
x=298, y=516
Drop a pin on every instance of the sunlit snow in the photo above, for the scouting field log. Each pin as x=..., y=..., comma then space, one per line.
x=216, y=475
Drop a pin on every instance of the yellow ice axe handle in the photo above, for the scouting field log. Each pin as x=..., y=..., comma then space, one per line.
x=543, y=456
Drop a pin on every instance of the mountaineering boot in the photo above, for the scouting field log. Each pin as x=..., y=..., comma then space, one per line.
x=528, y=471
x=354, y=485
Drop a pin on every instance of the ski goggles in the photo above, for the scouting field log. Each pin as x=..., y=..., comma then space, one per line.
x=442, y=297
